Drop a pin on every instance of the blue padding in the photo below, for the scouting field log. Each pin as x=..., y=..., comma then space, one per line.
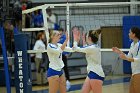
x=16, y=31
x=4, y=52
x=22, y=67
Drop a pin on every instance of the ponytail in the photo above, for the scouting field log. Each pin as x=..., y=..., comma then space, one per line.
x=94, y=34
x=50, y=36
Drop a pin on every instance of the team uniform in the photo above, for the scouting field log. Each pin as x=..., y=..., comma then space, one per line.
x=93, y=57
x=64, y=57
x=134, y=53
x=55, y=58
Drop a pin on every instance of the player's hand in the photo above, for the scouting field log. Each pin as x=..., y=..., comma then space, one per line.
x=123, y=56
x=117, y=50
x=84, y=38
x=67, y=36
x=76, y=35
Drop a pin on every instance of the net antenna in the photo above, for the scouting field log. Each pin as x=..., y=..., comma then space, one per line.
x=68, y=22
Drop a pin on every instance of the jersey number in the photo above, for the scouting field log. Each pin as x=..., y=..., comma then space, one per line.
x=60, y=55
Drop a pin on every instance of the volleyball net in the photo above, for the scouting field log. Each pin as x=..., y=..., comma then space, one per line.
x=89, y=16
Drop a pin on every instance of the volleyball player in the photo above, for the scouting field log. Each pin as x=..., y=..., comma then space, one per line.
x=133, y=56
x=95, y=77
x=55, y=74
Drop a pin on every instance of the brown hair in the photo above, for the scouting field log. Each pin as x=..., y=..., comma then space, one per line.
x=48, y=9
x=94, y=34
x=39, y=35
x=136, y=31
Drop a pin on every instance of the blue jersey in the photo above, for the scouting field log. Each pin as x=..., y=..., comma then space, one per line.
x=38, y=19
x=35, y=20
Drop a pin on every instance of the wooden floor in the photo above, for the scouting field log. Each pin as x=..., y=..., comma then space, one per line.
x=116, y=84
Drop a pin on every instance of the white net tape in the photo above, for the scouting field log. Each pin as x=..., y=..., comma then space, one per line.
x=102, y=50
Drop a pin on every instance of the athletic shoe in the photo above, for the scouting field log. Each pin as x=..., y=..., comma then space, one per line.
x=68, y=85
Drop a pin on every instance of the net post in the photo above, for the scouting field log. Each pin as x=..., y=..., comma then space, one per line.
x=45, y=21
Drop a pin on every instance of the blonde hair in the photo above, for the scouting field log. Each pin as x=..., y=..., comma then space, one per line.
x=51, y=34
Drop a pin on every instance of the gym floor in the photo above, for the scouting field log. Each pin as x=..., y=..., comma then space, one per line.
x=112, y=84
